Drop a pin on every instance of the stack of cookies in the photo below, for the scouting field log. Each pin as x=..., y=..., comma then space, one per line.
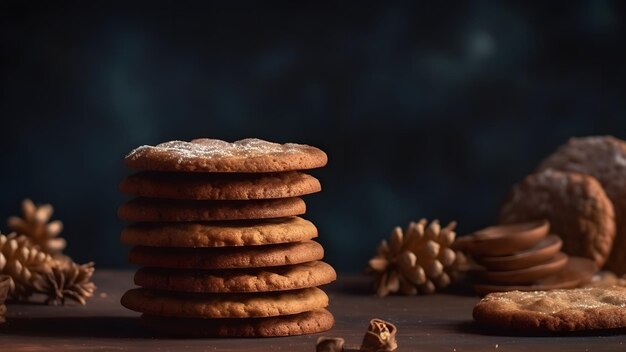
x=220, y=241
x=524, y=257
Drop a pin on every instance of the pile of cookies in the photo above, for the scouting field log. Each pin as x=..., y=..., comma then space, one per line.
x=581, y=190
x=220, y=241
x=524, y=257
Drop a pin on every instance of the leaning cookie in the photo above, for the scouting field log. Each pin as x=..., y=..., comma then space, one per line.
x=555, y=310
x=575, y=204
x=310, y=322
x=603, y=157
x=214, y=155
x=208, y=186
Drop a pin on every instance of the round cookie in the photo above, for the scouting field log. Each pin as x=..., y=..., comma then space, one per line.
x=193, y=305
x=219, y=234
x=554, y=310
x=227, y=257
x=148, y=209
x=280, y=278
x=603, y=157
x=576, y=206
x=310, y=322
x=204, y=186
x=214, y=155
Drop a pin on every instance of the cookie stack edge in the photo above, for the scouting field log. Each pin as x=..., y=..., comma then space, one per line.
x=217, y=230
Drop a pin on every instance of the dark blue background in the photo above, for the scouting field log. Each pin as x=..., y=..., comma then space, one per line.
x=426, y=109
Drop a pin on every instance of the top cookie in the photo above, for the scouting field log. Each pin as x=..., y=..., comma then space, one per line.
x=555, y=310
x=603, y=157
x=214, y=155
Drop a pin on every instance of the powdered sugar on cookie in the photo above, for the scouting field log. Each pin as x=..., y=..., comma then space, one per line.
x=215, y=155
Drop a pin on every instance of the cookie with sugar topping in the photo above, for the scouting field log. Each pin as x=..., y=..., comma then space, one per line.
x=311, y=322
x=576, y=205
x=214, y=155
x=554, y=310
x=603, y=157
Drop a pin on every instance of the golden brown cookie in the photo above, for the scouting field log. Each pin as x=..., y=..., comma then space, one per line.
x=310, y=322
x=576, y=206
x=206, y=305
x=603, y=157
x=150, y=209
x=219, y=234
x=279, y=278
x=555, y=310
x=227, y=257
x=214, y=155
x=208, y=186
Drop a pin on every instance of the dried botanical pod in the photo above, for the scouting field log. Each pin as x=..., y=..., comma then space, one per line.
x=5, y=283
x=69, y=280
x=329, y=344
x=380, y=337
x=416, y=260
x=25, y=264
x=36, y=225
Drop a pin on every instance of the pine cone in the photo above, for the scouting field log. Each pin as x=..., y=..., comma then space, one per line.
x=37, y=227
x=26, y=265
x=69, y=280
x=418, y=260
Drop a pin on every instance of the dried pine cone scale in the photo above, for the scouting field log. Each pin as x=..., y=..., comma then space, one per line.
x=37, y=226
x=416, y=260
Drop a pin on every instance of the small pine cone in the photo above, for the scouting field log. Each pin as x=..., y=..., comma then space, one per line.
x=37, y=227
x=25, y=264
x=418, y=260
x=69, y=280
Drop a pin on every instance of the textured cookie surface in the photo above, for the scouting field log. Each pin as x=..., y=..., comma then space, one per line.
x=575, y=204
x=219, y=234
x=288, y=325
x=214, y=155
x=227, y=257
x=604, y=158
x=237, y=280
x=194, y=305
x=555, y=310
x=150, y=209
x=205, y=186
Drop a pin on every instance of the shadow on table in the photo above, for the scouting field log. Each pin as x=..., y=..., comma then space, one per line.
x=93, y=327
x=473, y=327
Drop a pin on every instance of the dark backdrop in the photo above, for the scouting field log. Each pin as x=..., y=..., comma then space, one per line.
x=426, y=109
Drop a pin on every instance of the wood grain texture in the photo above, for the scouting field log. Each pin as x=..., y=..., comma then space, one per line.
x=440, y=322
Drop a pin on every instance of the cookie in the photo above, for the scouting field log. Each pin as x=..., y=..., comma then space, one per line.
x=194, y=305
x=237, y=280
x=204, y=186
x=603, y=157
x=219, y=234
x=149, y=209
x=310, y=322
x=227, y=257
x=555, y=310
x=214, y=155
x=576, y=206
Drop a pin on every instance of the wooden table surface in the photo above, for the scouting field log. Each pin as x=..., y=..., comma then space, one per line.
x=440, y=322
